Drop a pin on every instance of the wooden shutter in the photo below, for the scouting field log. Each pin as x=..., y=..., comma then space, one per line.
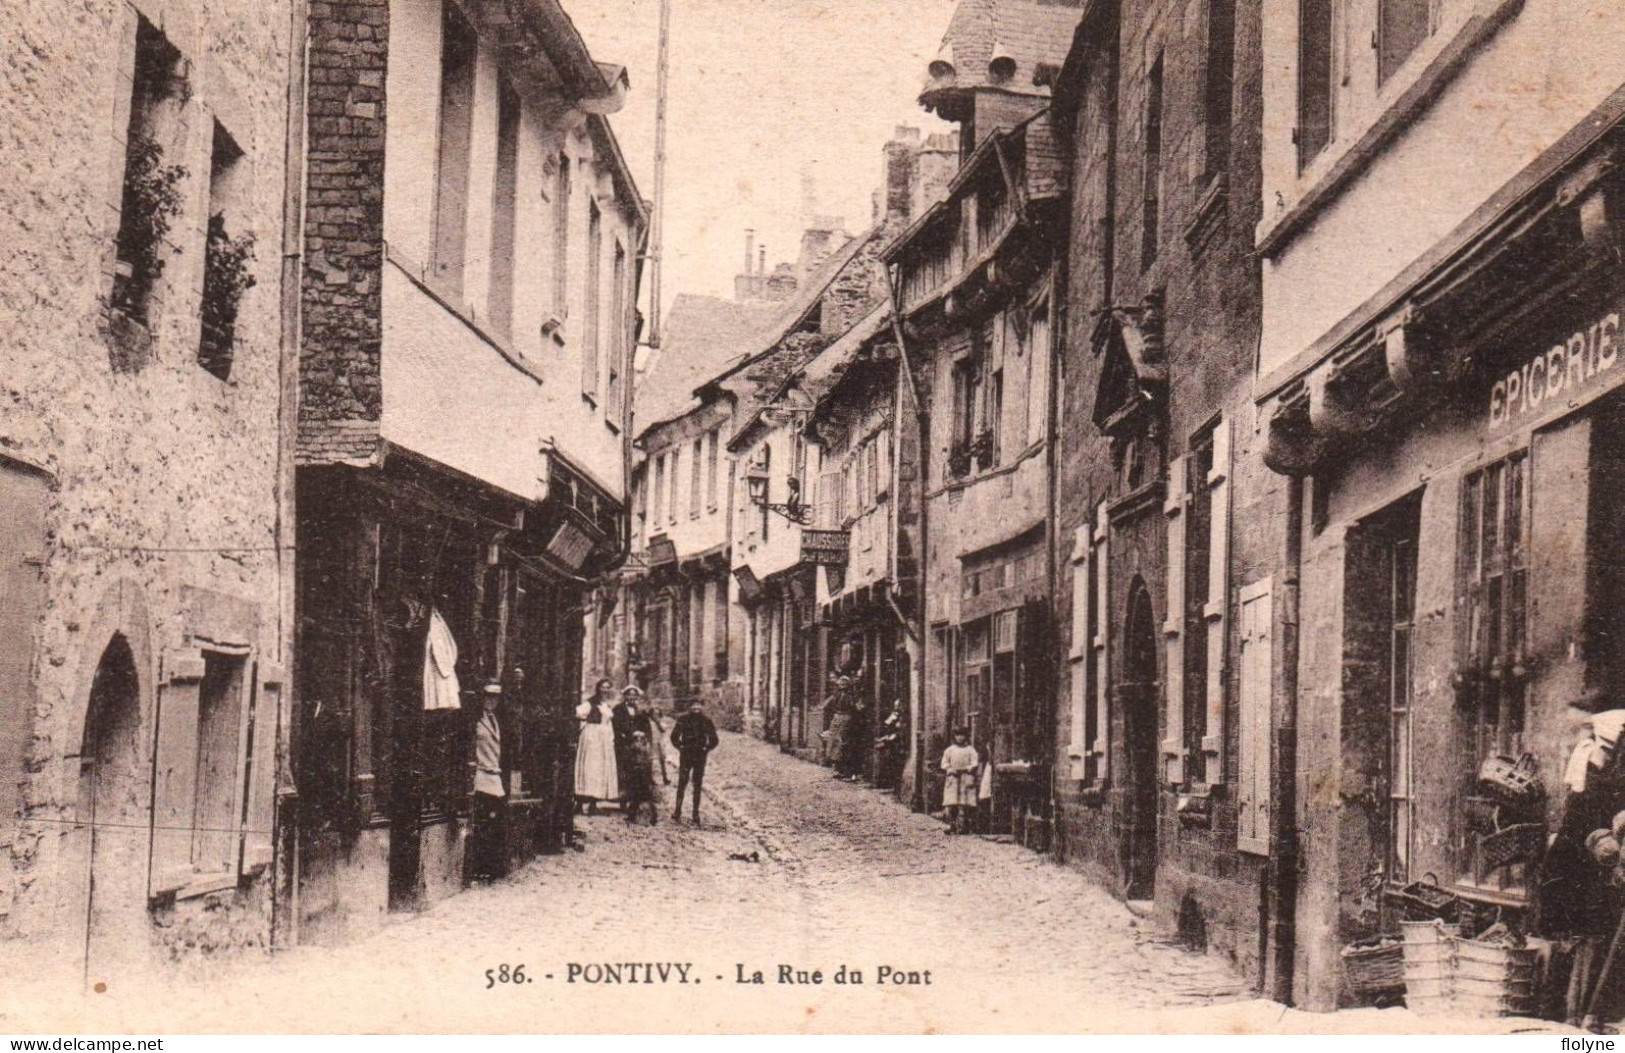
x=1254, y=706
x=1173, y=627
x=174, y=800
x=1218, y=482
x=264, y=730
x=1103, y=679
x=1078, y=651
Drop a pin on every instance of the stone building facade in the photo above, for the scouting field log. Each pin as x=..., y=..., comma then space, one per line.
x=1437, y=384
x=144, y=491
x=469, y=287
x=974, y=290
x=1166, y=532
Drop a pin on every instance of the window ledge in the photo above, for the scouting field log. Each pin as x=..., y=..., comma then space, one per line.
x=1211, y=210
x=1319, y=192
x=203, y=884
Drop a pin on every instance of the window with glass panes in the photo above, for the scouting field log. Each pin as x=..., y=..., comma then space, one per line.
x=1492, y=607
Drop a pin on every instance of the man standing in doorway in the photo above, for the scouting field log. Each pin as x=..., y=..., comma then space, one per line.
x=695, y=737
x=489, y=792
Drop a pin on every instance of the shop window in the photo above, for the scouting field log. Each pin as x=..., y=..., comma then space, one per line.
x=1402, y=25
x=227, y=258
x=504, y=206
x=1219, y=86
x=459, y=49
x=1494, y=587
x=151, y=191
x=1151, y=200
x=1315, y=79
x=1492, y=591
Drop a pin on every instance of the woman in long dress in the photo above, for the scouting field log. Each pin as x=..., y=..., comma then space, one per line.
x=596, y=778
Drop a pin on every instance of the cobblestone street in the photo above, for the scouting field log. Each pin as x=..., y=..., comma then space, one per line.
x=833, y=875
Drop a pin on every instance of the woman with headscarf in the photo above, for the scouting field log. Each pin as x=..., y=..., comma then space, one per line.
x=596, y=776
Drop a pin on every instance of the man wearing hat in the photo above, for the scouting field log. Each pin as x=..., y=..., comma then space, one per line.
x=485, y=845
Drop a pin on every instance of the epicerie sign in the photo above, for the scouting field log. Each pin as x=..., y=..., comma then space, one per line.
x=1564, y=368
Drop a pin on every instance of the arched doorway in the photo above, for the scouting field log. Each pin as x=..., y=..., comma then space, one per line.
x=1137, y=701
x=114, y=818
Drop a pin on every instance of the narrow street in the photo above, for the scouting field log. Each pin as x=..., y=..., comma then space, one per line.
x=842, y=875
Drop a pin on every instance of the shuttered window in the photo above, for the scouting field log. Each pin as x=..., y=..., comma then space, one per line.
x=1101, y=747
x=1217, y=609
x=1173, y=630
x=214, y=778
x=1254, y=705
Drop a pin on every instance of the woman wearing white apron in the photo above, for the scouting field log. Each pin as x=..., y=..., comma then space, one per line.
x=596, y=778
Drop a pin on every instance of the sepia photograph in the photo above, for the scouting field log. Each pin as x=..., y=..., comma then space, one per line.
x=812, y=517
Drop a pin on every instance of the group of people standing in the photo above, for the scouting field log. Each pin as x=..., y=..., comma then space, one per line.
x=620, y=744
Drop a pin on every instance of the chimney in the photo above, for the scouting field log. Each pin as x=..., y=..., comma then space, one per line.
x=761, y=261
x=901, y=177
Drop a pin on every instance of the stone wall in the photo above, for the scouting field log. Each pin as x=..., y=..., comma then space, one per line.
x=1209, y=284
x=341, y=393
x=163, y=477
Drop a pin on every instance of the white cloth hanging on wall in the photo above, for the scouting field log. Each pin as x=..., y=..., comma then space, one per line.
x=440, y=688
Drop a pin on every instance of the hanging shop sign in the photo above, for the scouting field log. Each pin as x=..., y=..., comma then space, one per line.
x=1561, y=377
x=825, y=548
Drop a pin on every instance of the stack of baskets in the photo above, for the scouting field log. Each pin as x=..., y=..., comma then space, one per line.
x=1446, y=973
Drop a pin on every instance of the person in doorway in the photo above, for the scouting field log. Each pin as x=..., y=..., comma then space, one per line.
x=960, y=770
x=889, y=748
x=490, y=795
x=638, y=779
x=596, y=778
x=856, y=752
x=695, y=737
x=837, y=723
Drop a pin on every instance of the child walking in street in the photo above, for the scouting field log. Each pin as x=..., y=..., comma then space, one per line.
x=639, y=779
x=960, y=784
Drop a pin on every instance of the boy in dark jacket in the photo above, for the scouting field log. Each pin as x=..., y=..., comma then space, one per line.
x=695, y=737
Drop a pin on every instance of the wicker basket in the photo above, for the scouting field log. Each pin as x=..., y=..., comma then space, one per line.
x=1429, y=966
x=1425, y=901
x=1447, y=974
x=1514, y=844
x=1375, y=968
x=1513, y=781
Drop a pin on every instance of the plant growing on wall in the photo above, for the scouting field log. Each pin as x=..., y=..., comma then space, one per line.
x=152, y=199
x=226, y=277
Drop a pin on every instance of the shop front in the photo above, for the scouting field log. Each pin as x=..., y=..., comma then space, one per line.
x=999, y=689
x=1463, y=661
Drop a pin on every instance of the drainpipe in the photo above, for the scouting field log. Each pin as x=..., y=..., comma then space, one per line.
x=1281, y=922
x=285, y=859
x=1053, y=515
x=922, y=427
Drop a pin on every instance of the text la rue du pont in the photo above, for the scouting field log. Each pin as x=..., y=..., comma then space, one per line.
x=789, y=975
